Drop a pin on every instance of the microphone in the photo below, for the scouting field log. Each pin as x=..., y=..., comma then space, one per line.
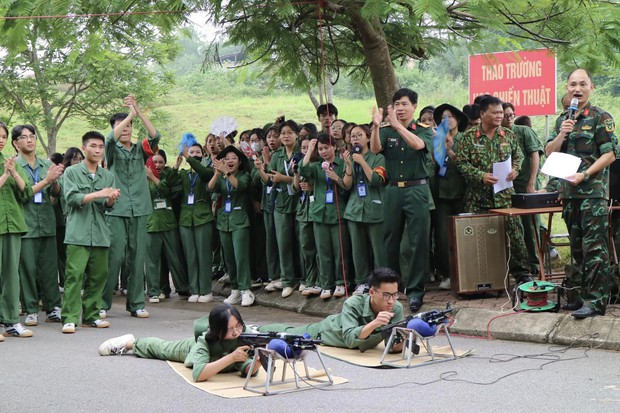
x=325, y=165
x=573, y=108
x=357, y=148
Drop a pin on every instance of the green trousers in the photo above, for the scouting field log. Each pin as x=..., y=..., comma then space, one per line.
x=81, y=260
x=166, y=244
x=587, y=222
x=408, y=206
x=61, y=251
x=197, y=246
x=271, y=247
x=38, y=273
x=327, y=238
x=128, y=250
x=307, y=252
x=10, y=245
x=156, y=348
x=285, y=237
x=367, y=247
x=236, y=247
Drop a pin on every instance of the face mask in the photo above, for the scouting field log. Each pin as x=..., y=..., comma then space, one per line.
x=256, y=146
x=198, y=158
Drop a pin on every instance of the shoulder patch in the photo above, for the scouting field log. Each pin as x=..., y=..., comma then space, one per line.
x=609, y=125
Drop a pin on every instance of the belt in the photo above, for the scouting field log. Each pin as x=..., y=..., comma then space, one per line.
x=406, y=184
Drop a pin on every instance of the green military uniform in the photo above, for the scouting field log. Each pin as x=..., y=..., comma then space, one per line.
x=407, y=201
x=216, y=245
x=163, y=239
x=529, y=143
x=38, y=265
x=328, y=227
x=284, y=215
x=343, y=329
x=364, y=215
x=195, y=225
x=448, y=192
x=127, y=221
x=585, y=206
x=12, y=227
x=88, y=240
x=233, y=223
x=268, y=200
x=475, y=157
x=194, y=353
x=307, y=245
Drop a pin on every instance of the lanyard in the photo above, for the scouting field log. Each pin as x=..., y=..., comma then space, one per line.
x=192, y=181
x=34, y=173
x=228, y=188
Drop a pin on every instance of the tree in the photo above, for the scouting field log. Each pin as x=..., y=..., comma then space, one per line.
x=305, y=43
x=55, y=68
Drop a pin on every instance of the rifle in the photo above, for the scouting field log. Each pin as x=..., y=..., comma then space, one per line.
x=432, y=318
x=294, y=341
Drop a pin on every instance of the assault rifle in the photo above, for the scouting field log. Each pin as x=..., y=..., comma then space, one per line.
x=294, y=341
x=432, y=318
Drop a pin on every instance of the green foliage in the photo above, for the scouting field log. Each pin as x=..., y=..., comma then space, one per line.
x=51, y=69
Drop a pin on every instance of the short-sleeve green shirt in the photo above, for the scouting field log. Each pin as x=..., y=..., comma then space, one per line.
x=402, y=162
x=11, y=202
x=40, y=217
x=162, y=218
x=238, y=197
x=319, y=210
x=287, y=198
x=194, y=182
x=529, y=143
x=369, y=208
x=128, y=167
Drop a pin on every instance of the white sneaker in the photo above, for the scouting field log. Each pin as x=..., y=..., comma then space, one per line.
x=31, y=319
x=554, y=254
x=247, y=298
x=68, y=328
x=115, y=346
x=316, y=290
x=54, y=316
x=274, y=285
x=193, y=298
x=325, y=294
x=287, y=291
x=205, y=298
x=16, y=330
x=154, y=299
x=141, y=313
x=103, y=314
x=361, y=289
x=233, y=298
x=445, y=284
x=302, y=287
x=339, y=291
x=97, y=324
x=162, y=296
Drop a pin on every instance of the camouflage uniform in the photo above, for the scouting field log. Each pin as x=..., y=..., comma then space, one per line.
x=475, y=156
x=585, y=206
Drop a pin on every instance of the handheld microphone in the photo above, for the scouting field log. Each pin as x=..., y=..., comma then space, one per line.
x=325, y=165
x=357, y=148
x=573, y=108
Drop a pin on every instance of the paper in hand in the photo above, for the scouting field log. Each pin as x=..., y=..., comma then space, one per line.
x=561, y=165
x=501, y=170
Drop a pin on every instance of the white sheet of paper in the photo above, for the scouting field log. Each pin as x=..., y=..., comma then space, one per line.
x=501, y=170
x=561, y=165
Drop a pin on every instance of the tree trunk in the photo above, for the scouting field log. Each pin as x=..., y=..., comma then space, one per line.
x=377, y=55
x=313, y=98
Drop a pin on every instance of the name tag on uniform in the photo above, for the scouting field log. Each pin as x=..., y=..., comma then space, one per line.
x=161, y=204
x=38, y=198
x=190, y=199
x=311, y=198
x=268, y=189
x=361, y=190
x=228, y=206
x=329, y=197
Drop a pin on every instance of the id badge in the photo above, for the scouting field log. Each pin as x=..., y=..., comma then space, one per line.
x=361, y=190
x=190, y=199
x=160, y=204
x=228, y=206
x=268, y=189
x=329, y=197
x=311, y=198
x=38, y=198
x=442, y=171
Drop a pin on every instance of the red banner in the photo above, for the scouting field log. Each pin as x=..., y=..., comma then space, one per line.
x=527, y=79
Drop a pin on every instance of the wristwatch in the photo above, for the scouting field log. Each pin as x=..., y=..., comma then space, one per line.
x=586, y=176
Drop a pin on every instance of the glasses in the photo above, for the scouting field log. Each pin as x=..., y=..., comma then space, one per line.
x=509, y=115
x=27, y=137
x=389, y=296
x=238, y=328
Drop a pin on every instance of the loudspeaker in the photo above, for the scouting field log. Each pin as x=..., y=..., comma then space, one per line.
x=477, y=253
x=614, y=180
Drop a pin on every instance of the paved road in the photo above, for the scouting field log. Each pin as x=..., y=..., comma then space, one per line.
x=52, y=372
